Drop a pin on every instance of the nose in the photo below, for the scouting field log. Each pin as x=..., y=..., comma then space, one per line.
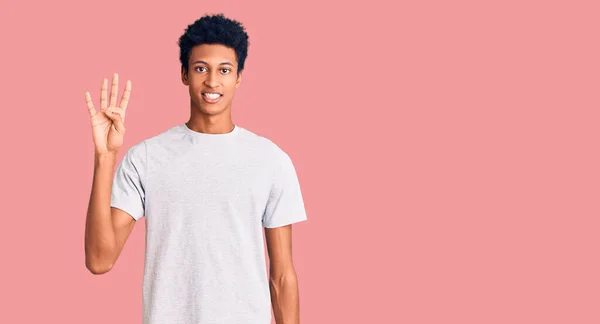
x=212, y=79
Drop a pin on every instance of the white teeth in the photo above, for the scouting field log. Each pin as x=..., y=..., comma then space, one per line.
x=212, y=95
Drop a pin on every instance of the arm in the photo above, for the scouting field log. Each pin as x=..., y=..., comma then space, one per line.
x=106, y=228
x=283, y=282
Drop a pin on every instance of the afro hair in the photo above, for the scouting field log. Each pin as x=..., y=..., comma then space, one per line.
x=214, y=29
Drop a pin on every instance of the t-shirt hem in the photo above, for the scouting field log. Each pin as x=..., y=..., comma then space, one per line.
x=280, y=224
x=129, y=210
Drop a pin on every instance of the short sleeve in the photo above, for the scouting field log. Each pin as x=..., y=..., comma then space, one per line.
x=285, y=204
x=128, y=192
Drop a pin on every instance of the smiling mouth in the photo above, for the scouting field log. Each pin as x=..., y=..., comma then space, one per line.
x=211, y=97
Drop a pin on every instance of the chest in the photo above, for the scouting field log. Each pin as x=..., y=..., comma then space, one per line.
x=235, y=183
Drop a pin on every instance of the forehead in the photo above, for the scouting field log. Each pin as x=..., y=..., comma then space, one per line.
x=213, y=54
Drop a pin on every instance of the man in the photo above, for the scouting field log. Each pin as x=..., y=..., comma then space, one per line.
x=207, y=188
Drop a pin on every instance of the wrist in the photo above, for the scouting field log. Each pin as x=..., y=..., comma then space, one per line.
x=109, y=157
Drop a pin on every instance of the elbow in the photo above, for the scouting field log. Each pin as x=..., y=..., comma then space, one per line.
x=282, y=279
x=98, y=268
x=99, y=260
x=99, y=263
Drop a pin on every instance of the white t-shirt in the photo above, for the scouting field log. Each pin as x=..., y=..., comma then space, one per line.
x=206, y=198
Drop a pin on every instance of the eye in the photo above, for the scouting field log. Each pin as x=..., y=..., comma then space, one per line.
x=199, y=67
x=226, y=69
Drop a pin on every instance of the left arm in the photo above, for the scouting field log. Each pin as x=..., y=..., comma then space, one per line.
x=283, y=282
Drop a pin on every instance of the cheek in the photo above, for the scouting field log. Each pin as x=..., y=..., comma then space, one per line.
x=231, y=86
x=196, y=89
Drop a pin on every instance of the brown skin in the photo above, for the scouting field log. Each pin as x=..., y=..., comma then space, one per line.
x=106, y=228
x=283, y=281
x=218, y=72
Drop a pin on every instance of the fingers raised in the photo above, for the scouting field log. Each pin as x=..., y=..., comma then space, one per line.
x=103, y=101
x=90, y=104
x=126, y=94
x=114, y=90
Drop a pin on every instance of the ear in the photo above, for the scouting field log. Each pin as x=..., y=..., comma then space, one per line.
x=184, y=77
x=239, y=80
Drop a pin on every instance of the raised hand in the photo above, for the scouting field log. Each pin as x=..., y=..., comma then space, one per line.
x=108, y=126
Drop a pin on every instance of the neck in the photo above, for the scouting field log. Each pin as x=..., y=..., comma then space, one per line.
x=216, y=124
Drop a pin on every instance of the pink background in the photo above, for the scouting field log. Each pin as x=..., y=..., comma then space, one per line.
x=447, y=152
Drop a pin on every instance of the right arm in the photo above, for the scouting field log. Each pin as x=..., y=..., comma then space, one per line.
x=106, y=228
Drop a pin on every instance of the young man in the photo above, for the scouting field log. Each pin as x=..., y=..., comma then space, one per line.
x=207, y=187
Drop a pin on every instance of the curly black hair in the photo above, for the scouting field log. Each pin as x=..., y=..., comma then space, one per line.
x=214, y=29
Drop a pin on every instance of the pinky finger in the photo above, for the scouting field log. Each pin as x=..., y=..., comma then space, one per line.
x=90, y=104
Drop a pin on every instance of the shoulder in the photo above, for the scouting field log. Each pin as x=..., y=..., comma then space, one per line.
x=166, y=136
x=139, y=150
x=166, y=143
x=264, y=145
x=273, y=156
x=136, y=151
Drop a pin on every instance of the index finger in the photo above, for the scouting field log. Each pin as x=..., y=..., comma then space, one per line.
x=90, y=104
x=126, y=95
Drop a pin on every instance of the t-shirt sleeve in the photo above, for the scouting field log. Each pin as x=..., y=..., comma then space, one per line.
x=128, y=192
x=285, y=204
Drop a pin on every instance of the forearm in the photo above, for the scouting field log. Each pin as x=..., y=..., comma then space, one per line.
x=285, y=298
x=100, y=240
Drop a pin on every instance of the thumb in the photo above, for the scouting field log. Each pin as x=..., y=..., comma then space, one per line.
x=117, y=118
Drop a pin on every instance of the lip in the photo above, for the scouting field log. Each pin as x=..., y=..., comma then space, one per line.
x=211, y=101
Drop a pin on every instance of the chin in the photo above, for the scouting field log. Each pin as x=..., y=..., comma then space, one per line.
x=211, y=110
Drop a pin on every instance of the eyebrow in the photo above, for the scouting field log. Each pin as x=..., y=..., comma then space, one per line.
x=222, y=63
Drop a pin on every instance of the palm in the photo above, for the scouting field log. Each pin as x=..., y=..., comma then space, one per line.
x=107, y=131
x=105, y=134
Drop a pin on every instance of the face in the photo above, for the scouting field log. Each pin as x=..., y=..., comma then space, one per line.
x=212, y=78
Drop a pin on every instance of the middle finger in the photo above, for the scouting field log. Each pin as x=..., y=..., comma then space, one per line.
x=103, y=103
